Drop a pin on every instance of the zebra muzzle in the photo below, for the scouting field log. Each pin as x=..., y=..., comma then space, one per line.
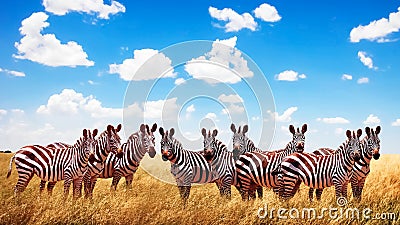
x=376, y=154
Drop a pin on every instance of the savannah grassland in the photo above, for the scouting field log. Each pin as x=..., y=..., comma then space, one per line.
x=154, y=202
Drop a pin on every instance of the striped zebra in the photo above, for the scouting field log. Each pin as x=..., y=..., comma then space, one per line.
x=108, y=141
x=127, y=162
x=187, y=166
x=321, y=171
x=221, y=161
x=261, y=168
x=242, y=144
x=54, y=164
x=370, y=146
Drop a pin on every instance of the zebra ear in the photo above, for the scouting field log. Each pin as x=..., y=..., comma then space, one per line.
x=95, y=131
x=85, y=133
x=171, y=132
x=142, y=128
x=348, y=134
x=147, y=128
x=245, y=129
x=359, y=133
x=304, y=128
x=154, y=128
x=161, y=130
x=110, y=128
x=378, y=130
x=118, y=128
x=368, y=131
x=204, y=132
x=233, y=128
x=291, y=129
x=215, y=132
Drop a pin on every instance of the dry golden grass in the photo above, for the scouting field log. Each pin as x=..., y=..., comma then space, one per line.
x=154, y=202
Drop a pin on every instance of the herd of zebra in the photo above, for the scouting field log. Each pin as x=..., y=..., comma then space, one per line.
x=246, y=167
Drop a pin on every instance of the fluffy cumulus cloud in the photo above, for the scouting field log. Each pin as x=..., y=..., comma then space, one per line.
x=230, y=98
x=347, y=77
x=146, y=64
x=285, y=117
x=223, y=64
x=180, y=81
x=70, y=102
x=363, y=80
x=289, y=75
x=372, y=120
x=46, y=48
x=103, y=11
x=333, y=120
x=366, y=60
x=233, y=109
x=267, y=13
x=377, y=30
x=396, y=123
x=12, y=72
x=235, y=21
x=161, y=109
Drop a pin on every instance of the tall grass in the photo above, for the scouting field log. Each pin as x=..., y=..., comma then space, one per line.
x=154, y=202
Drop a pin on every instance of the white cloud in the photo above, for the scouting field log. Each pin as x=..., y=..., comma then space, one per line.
x=180, y=81
x=230, y=98
x=396, y=123
x=235, y=21
x=366, y=60
x=102, y=10
x=289, y=75
x=146, y=64
x=372, y=120
x=363, y=80
x=223, y=64
x=190, y=110
x=46, y=48
x=285, y=117
x=333, y=120
x=13, y=72
x=339, y=131
x=347, y=77
x=255, y=118
x=232, y=109
x=69, y=102
x=161, y=109
x=377, y=30
x=211, y=116
x=267, y=13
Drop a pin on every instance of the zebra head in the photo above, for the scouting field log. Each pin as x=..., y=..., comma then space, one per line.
x=89, y=144
x=298, y=139
x=239, y=140
x=209, y=144
x=113, y=140
x=353, y=144
x=373, y=142
x=147, y=139
x=167, y=143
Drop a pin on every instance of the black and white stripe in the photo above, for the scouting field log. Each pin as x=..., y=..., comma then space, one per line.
x=53, y=165
x=187, y=166
x=261, y=168
x=321, y=171
x=370, y=146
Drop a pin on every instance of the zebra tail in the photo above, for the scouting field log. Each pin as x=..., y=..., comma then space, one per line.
x=10, y=167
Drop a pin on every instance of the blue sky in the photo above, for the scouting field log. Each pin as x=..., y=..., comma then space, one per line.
x=333, y=65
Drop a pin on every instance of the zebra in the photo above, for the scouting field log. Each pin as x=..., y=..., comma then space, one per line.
x=242, y=144
x=54, y=164
x=187, y=166
x=221, y=161
x=370, y=146
x=127, y=162
x=320, y=171
x=261, y=168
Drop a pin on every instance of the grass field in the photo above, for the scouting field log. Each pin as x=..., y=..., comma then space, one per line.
x=154, y=202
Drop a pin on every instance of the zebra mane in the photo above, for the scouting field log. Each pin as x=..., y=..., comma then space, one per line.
x=342, y=147
x=221, y=146
x=177, y=143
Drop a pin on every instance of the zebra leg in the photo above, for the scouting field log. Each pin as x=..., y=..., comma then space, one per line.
x=296, y=187
x=252, y=194
x=288, y=186
x=311, y=194
x=67, y=184
x=116, y=177
x=42, y=186
x=128, y=180
x=354, y=186
x=260, y=192
x=319, y=193
x=360, y=188
x=50, y=186
x=23, y=181
x=186, y=194
x=77, y=188
x=87, y=183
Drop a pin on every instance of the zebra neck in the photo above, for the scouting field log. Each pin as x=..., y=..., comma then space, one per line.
x=289, y=149
x=342, y=156
x=366, y=153
x=135, y=149
x=178, y=156
x=251, y=147
x=102, y=143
